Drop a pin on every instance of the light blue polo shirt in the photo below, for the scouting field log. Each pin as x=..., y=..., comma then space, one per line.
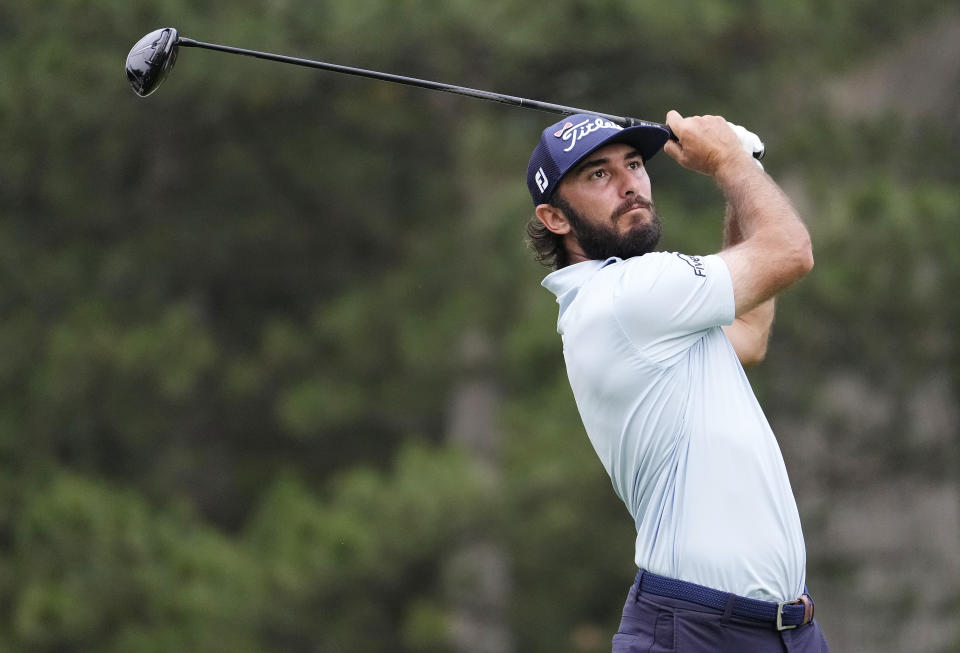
x=669, y=410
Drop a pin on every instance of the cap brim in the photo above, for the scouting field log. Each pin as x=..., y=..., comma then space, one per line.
x=648, y=139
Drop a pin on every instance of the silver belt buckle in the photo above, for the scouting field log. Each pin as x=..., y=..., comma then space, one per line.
x=780, y=625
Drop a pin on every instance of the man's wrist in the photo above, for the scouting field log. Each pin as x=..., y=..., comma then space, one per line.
x=736, y=168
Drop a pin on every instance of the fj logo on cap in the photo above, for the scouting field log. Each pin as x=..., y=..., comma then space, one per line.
x=574, y=133
x=541, y=179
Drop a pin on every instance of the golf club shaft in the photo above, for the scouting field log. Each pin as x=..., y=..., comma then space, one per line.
x=410, y=81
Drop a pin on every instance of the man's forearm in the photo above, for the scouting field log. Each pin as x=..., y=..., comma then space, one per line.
x=750, y=332
x=757, y=205
x=732, y=235
x=768, y=246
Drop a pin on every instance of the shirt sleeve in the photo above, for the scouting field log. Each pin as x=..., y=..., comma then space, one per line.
x=666, y=301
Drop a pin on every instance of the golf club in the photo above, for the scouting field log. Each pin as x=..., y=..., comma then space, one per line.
x=152, y=57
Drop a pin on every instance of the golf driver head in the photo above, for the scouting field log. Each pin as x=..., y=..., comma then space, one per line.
x=151, y=59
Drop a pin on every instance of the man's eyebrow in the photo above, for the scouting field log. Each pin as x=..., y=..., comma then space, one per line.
x=590, y=163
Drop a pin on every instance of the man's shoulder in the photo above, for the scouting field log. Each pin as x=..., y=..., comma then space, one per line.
x=660, y=279
x=647, y=269
x=656, y=264
x=667, y=258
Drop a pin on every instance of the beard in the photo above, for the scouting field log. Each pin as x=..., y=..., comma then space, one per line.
x=601, y=241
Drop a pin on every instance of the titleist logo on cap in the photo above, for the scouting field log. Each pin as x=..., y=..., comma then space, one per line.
x=574, y=132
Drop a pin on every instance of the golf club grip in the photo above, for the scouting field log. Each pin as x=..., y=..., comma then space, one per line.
x=422, y=83
x=637, y=121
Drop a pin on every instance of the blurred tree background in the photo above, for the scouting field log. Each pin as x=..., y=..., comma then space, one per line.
x=277, y=373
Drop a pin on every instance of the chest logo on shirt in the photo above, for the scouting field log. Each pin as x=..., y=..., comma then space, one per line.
x=695, y=263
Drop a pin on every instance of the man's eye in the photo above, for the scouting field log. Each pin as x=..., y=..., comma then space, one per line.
x=598, y=174
x=635, y=165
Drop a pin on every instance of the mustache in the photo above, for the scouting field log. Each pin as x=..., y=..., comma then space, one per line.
x=633, y=203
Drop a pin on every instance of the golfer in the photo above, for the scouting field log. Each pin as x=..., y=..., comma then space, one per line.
x=654, y=344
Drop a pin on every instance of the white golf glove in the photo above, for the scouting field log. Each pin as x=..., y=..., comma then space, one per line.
x=750, y=141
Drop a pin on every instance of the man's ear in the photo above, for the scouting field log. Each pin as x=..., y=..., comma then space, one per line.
x=553, y=219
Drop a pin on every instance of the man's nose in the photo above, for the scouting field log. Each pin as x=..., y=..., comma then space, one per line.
x=633, y=185
x=629, y=186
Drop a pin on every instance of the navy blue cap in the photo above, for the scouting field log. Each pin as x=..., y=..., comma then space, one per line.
x=565, y=143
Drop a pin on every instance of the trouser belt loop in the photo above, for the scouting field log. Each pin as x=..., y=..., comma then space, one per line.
x=728, y=611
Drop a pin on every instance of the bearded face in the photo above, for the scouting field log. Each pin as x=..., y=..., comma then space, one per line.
x=602, y=239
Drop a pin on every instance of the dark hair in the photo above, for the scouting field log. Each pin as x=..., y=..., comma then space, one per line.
x=547, y=246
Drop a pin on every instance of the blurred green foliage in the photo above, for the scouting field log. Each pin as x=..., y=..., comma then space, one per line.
x=232, y=312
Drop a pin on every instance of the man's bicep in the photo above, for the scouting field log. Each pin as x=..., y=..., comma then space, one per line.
x=754, y=276
x=759, y=269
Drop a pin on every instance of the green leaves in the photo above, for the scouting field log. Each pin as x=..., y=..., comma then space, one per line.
x=96, y=567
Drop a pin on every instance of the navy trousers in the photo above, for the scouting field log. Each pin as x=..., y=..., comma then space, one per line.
x=655, y=624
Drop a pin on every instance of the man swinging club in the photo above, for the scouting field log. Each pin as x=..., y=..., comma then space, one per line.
x=654, y=344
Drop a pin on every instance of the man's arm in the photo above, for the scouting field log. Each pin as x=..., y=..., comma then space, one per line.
x=749, y=332
x=775, y=250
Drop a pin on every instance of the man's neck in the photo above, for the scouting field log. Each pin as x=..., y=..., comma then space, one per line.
x=574, y=252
